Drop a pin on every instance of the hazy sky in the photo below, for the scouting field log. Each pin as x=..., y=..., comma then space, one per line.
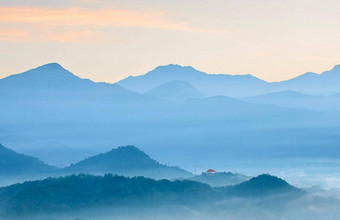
x=106, y=40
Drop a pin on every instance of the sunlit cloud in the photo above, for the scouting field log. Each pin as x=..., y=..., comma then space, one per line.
x=77, y=36
x=13, y=35
x=88, y=18
x=87, y=25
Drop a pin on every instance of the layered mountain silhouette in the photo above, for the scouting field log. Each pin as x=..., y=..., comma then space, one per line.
x=50, y=76
x=326, y=83
x=84, y=191
x=208, y=84
x=51, y=105
x=14, y=164
x=128, y=161
x=52, y=81
x=175, y=91
x=51, y=93
x=293, y=99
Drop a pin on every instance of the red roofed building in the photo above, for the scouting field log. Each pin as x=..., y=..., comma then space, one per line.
x=211, y=171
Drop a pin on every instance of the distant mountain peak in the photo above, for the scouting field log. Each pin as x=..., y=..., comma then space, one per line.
x=43, y=71
x=265, y=184
x=129, y=149
x=267, y=181
x=51, y=75
x=51, y=66
x=176, y=69
x=208, y=84
x=177, y=90
x=174, y=66
x=126, y=160
x=50, y=69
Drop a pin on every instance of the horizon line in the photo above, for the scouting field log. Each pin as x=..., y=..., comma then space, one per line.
x=170, y=64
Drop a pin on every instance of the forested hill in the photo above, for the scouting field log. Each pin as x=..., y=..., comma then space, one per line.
x=127, y=161
x=82, y=191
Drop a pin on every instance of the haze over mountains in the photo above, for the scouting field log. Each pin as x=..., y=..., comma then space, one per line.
x=327, y=83
x=126, y=160
x=220, y=179
x=293, y=99
x=175, y=91
x=74, y=193
x=14, y=164
x=208, y=84
x=174, y=116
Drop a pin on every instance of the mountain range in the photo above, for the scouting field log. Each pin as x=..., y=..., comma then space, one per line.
x=76, y=192
x=327, y=83
x=178, y=114
x=208, y=84
x=175, y=91
x=293, y=99
x=127, y=161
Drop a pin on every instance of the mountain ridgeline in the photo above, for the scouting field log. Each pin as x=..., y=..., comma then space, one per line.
x=177, y=112
x=261, y=185
x=326, y=83
x=15, y=164
x=76, y=192
x=127, y=161
x=208, y=84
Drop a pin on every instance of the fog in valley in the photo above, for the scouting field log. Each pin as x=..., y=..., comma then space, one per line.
x=175, y=143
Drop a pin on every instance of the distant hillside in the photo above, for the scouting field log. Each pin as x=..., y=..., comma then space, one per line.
x=175, y=91
x=74, y=192
x=52, y=93
x=49, y=104
x=128, y=161
x=326, y=83
x=263, y=185
x=220, y=178
x=287, y=98
x=15, y=164
x=208, y=84
x=285, y=94
x=293, y=99
x=83, y=191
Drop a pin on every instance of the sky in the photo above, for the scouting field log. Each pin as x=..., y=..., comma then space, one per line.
x=107, y=40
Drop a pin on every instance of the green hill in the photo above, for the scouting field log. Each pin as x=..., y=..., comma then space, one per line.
x=82, y=191
x=127, y=161
x=262, y=185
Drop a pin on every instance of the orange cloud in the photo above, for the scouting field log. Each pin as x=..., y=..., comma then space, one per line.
x=13, y=35
x=76, y=36
x=96, y=18
x=78, y=25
